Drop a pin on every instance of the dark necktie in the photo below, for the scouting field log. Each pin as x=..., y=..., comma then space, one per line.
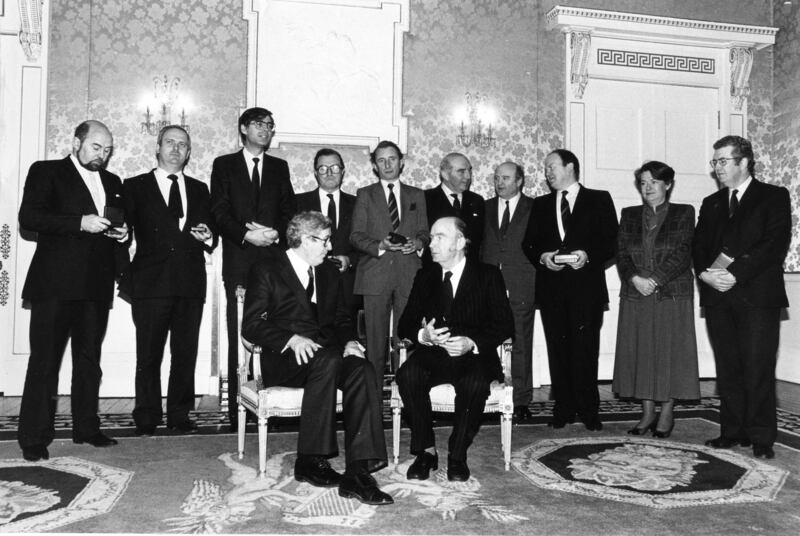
x=332, y=211
x=394, y=214
x=504, y=222
x=734, y=204
x=447, y=295
x=256, y=182
x=310, y=286
x=565, y=213
x=174, y=204
x=456, y=203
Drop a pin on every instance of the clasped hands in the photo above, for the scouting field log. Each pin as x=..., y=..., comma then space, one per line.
x=304, y=348
x=454, y=345
x=718, y=278
x=92, y=223
x=260, y=235
x=644, y=285
x=410, y=246
x=547, y=260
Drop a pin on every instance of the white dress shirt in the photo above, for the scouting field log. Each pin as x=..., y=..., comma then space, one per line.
x=93, y=182
x=164, y=184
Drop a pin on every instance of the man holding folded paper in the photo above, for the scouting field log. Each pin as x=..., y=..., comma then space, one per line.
x=739, y=246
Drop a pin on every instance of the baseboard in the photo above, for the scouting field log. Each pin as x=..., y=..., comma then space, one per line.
x=788, y=394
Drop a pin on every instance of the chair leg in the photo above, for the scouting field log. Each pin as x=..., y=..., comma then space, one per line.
x=396, y=434
x=262, y=447
x=240, y=429
x=505, y=439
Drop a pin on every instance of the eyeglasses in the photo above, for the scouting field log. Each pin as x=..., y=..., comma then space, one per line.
x=325, y=241
x=330, y=170
x=263, y=125
x=722, y=162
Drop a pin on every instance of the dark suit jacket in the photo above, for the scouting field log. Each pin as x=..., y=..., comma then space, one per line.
x=593, y=229
x=371, y=224
x=169, y=261
x=472, y=212
x=672, y=252
x=276, y=307
x=757, y=237
x=233, y=206
x=68, y=264
x=341, y=237
x=505, y=252
x=480, y=310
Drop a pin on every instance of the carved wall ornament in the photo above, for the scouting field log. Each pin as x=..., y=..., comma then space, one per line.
x=4, y=281
x=580, y=43
x=741, y=64
x=30, y=32
x=647, y=60
x=5, y=240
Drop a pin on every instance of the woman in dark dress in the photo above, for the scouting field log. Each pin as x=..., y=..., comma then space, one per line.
x=656, y=355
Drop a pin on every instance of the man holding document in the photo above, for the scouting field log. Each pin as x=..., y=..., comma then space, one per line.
x=739, y=246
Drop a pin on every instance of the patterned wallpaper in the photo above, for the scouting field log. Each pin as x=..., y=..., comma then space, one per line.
x=104, y=55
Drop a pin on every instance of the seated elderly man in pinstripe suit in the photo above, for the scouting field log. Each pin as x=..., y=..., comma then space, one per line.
x=456, y=316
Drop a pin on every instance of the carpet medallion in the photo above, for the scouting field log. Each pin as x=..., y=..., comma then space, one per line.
x=213, y=507
x=54, y=493
x=648, y=472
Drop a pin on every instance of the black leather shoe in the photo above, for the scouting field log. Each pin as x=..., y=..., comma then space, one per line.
x=35, y=453
x=316, y=471
x=186, y=427
x=593, y=425
x=421, y=468
x=725, y=443
x=145, y=430
x=457, y=470
x=560, y=422
x=642, y=431
x=521, y=414
x=98, y=440
x=763, y=451
x=362, y=486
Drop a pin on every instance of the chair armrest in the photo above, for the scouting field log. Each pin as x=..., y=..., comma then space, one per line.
x=403, y=346
x=257, y=367
x=505, y=360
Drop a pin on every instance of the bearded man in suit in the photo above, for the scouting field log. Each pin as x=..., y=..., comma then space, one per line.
x=463, y=311
x=70, y=285
x=252, y=200
x=170, y=217
x=295, y=309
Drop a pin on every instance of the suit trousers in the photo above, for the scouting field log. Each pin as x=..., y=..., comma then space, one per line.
x=745, y=343
x=522, y=352
x=427, y=367
x=326, y=372
x=52, y=323
x=155, y=318
x=572, y=333
x=377, y=312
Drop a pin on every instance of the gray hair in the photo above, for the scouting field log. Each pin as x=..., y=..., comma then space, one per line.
x=309, y=222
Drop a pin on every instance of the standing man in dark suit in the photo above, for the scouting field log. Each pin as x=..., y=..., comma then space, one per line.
x=328, y=198
x=169, y=214
x=506, y=221
x=252, y=200
x=453, y=198
x=571, y=236
x=462, y=307
x=739, y=246
x=296, y=311
x=70, y=285
x=390, y=229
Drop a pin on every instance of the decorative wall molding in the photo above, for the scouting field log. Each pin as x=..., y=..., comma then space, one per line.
x=647, y=60
x=580, y=43
x=4, y=283
x=30, y=33
x=5, y=240
x=741, y=64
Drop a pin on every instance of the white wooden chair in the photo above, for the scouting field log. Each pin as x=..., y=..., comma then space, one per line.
x=443, y=398
x=262, y=402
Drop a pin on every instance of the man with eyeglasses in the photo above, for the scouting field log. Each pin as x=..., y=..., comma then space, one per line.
x=390, y=230
x=295, y=309
x=252, y=200
x=328, y=198
x=169, y=214
x=739, y=246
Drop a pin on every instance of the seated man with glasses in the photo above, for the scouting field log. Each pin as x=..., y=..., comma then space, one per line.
x=296, y=311
x=329, y=199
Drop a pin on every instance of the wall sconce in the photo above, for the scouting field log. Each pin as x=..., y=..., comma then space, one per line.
x=165, y=96
x=472, y=119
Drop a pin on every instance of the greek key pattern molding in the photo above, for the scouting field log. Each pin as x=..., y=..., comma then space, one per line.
x=648, y=60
